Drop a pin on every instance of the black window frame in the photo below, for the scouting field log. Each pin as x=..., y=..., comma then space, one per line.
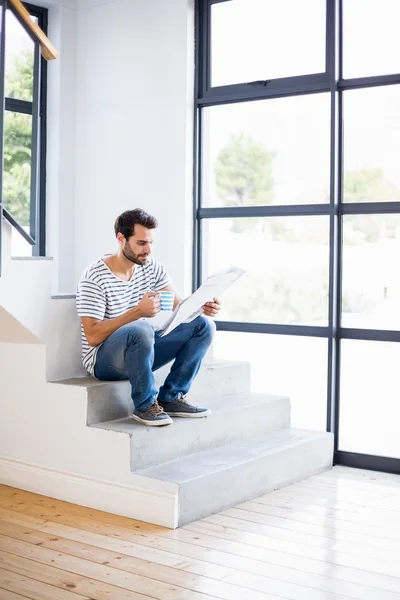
x=331, y=82
x=37, y=108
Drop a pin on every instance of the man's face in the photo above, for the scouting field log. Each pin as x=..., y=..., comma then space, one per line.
x=138, y=248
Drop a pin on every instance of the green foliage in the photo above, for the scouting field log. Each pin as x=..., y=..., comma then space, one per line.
x=369, y=185
x=19, y=78
x=243, y=175
x=275, y=291
x=17, y=141
x=282, y=296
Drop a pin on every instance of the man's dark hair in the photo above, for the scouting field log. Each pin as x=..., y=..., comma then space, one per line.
x=126, y=222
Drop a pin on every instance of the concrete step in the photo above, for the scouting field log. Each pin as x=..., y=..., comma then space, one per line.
x=222, y=477
x=110, y=400
x=233, y=417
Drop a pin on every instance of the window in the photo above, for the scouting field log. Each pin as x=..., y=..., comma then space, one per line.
x=248, y=34
x=287, y=264
x=24, y=132
x=371, y=43
x=295, y=366
x=297, y=181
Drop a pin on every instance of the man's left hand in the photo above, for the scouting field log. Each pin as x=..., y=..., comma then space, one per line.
x=211, y=309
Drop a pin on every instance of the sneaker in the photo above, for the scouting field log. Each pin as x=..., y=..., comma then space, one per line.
x=153, y=416
x=180, y=407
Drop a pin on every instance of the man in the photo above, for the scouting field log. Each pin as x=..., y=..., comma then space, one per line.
x=115, y=296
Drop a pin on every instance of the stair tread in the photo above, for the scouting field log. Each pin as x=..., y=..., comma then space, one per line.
x=90, y=381
x=187, y=468
x=220, y=404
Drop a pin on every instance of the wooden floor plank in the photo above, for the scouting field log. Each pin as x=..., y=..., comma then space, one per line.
x=292, y=544
x=33, y=588
x=301, y=522
x=320, y=583
x=94, y=589
x=133, y=575
x=63, y=535
x=71, y=527
x=307, y=533
x=366, y=483
x=376, y=526
x=335, y=536
x=391, y=503
x=285, y=495
x=21, y=496
x=285, y=582
x=117, y=562
x=293, y=553
x=292, y=576
x=359, y=475
x=365, y=515
x=333, y=491
x=8, y=595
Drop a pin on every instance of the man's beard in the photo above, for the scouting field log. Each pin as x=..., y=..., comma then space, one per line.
x=137, y=259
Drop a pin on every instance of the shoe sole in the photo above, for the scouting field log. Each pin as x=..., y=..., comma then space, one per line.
x=152, y=423
x=189, y=415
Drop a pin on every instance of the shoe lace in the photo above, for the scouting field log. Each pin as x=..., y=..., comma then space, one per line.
x=183, y=398
x=156, y=409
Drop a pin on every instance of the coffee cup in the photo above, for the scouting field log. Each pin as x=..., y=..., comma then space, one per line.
x=166, y=300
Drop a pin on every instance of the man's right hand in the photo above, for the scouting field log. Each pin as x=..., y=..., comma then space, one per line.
x=149, y=305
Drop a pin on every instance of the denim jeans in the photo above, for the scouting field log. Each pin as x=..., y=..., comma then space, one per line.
x=135, y=350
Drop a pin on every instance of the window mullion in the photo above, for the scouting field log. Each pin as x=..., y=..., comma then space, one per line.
x=19, y=106
x=2, y=70
x=275, y=88
x=34, y=203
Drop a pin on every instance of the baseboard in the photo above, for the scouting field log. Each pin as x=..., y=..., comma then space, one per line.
x=157, y=507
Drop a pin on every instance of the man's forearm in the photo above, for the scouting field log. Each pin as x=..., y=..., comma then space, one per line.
x=101, y=330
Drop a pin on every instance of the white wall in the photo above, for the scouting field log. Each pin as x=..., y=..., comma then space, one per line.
x=120, y=123
x=61, y=129
x=134, y=99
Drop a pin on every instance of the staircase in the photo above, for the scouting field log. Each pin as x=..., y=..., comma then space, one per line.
x=72, y=438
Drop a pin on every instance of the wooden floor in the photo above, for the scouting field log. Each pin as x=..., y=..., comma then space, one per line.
x=336, y=535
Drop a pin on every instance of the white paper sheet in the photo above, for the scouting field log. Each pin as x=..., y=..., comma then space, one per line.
x=213, y=287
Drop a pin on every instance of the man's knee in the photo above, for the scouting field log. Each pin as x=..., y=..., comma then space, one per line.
x=207, y=326
x=140, y=332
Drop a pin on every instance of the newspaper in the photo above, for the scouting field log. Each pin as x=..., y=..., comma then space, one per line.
x=190, y=308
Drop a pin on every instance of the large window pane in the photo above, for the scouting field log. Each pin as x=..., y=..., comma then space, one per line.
x=283, y=365
x=267, y=152
x=19, y=60
x=370, y=398
x=371, y=42
x=17, y=165
x=286, y=259
x=266, y=39
x=372, y=144
x=371, y=276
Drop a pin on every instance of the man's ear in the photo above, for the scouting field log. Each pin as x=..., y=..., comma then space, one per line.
x=120, y=237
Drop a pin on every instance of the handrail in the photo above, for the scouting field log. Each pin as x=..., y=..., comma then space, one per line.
x=7, y=215
x=49, y=52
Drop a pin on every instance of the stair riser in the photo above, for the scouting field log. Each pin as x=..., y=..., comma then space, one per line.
x=150, y=447
x=229, y=487
x=113, y=401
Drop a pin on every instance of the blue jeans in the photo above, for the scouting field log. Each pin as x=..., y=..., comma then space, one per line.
x=135, y=350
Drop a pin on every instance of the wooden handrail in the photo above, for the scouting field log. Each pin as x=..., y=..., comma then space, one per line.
x=49, y=52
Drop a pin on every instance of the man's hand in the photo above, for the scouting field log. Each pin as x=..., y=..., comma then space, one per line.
x=211, y=309
x=149, y=305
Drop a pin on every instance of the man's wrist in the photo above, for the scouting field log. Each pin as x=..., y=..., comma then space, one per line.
x=136, y=312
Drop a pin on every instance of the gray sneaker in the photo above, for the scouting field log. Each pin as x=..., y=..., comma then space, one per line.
x=180, y=407
x=153, y=416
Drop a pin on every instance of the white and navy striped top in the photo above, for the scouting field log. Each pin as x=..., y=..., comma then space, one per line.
x=102, y=295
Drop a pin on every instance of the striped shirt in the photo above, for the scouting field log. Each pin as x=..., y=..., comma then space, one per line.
x=102, y=295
